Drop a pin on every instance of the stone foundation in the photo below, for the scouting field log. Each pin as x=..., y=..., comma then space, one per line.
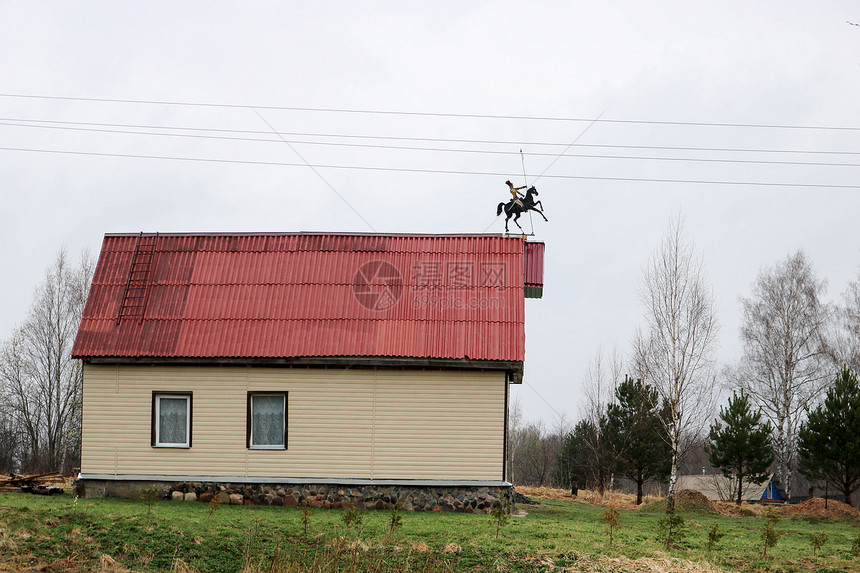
x=461, y=499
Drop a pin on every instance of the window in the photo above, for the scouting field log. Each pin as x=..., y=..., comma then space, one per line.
x=267, y=421
x=171, y=419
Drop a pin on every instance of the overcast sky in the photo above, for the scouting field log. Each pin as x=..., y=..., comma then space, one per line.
x=779, y=78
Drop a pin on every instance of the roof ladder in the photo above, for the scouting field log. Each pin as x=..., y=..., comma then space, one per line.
x=136, y=291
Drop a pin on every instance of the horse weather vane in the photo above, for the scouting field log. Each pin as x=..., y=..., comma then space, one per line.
x=519, y=204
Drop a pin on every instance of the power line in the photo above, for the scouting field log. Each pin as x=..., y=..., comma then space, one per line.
x=317, y=173
x=577, y=138
x=25, y=121
x=426, y=114
x=555, y=156
x=429, y=171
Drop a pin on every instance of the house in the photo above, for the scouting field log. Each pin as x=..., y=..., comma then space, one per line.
x=278, y=368
x=718, y=487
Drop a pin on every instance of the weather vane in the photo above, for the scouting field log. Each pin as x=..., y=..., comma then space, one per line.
x=519, y=204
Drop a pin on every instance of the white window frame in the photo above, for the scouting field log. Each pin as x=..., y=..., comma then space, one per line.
x=157, y=397
x=250, y=433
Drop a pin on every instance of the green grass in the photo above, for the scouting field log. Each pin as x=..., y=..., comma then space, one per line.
x=555, y=535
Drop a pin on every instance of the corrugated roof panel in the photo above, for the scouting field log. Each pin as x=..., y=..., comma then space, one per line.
x=534, y=252
x=282, y=295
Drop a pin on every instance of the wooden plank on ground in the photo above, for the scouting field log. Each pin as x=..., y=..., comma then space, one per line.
x=32, y=478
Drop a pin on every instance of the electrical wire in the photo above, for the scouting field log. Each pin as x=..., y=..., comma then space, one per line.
x=426, y=114
x=430, y=171
x=317, y=173
x=556, y=156
x=21, y=122
x=575, y=139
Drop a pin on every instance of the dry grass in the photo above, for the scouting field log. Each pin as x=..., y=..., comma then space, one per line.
x=180, y=566
x=614, y=498
x=732, y=509
x=659, y=565
x=599, y=563
x=544, y=492
x=810, y=508
x=106, y=564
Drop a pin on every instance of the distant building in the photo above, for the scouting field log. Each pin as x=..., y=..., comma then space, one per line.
x=281, y=368
x=718, y=487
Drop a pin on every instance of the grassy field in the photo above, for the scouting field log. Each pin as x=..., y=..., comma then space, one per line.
x=64, y=534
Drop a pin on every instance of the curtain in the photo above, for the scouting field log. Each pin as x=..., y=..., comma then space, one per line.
x=173, y=420
x=267, y=414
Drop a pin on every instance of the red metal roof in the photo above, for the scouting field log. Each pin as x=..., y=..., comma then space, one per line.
x=534, y=264
x=311, y=295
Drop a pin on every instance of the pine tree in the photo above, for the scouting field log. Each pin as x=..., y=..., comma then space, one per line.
x=829, y=440
x=743, y=446
x=572, y=462
x=636, y=431
x=586, y=459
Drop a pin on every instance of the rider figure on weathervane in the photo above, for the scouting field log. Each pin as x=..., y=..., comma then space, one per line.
x=520, y=204
x=515, y=192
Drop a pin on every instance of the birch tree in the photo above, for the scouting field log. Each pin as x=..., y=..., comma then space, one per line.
x=783, y=364
x=674, y=350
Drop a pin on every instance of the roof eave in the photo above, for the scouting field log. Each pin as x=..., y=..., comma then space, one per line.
x=515, y=367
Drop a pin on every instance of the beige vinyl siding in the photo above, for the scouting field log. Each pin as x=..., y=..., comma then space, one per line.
x=429, y=424
x=439, y=425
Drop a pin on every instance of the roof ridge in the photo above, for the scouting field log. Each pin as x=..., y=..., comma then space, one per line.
x=317, y=234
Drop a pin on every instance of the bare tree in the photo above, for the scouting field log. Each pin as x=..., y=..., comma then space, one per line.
x=555, y=438
x=674, y=352
x=38, y=376
x=782, y=367
x=10, y=440
x=25, y=412
x=843, y=339
x=537, y=448
x=533, y=447
x=535, y=458
x=514, y=438
x=601, y=380
x=598, y=388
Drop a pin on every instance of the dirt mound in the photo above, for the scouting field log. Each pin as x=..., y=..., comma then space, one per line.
x=815, y=507
x=691, y=500
x=686, y=500
x=691, y=496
